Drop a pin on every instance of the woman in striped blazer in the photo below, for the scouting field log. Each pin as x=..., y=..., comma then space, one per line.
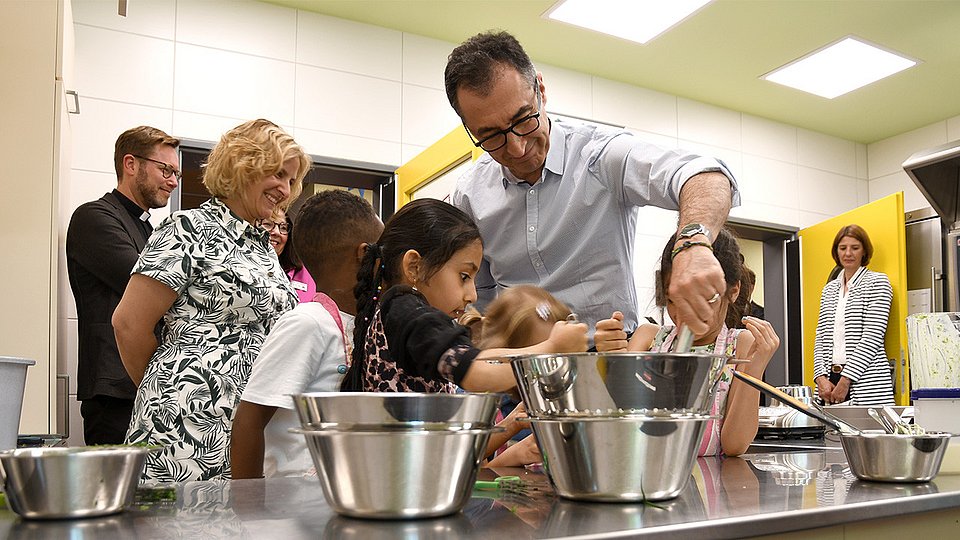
x=848, y=355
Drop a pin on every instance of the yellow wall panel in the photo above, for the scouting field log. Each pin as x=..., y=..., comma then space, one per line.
x=884, y=222
x=436, y=159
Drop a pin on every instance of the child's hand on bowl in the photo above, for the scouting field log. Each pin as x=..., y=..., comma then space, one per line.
x=566, y=337
x=609, y=335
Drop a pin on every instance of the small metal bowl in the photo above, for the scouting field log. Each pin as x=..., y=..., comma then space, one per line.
x=616, y=384
x=619, y=459
x=404, y=408
x=884, y=457
x=54, y=483
x=391, y=474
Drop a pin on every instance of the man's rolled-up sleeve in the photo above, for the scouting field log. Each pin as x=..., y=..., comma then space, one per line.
x=651, y=175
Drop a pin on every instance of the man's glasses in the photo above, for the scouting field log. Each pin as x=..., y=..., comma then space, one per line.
x=268, y=225
x=166, y=170
x=520, y=128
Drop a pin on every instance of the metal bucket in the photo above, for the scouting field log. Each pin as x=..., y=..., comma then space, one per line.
x=13, y=378
x=933, y=340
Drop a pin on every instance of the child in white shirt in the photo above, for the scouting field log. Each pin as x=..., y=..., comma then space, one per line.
x=309, y=347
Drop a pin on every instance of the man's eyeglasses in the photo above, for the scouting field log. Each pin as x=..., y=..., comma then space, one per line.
x=520, y=128
x=268, y=225
x=166, y=170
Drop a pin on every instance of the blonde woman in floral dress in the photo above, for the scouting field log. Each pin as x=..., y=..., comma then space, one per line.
x=210, y=276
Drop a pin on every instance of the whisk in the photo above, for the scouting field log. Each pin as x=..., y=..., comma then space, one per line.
x=544, y=312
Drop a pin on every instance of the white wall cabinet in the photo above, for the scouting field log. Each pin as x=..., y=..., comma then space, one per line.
x=33, y=144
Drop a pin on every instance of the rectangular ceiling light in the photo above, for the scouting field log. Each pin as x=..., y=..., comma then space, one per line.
x=636, y=20
x=839, y=68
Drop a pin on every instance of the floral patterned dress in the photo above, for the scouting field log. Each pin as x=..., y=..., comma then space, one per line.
x=230, y=290
x=726, y=343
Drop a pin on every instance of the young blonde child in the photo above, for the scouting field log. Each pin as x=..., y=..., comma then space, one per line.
x=736, y=404
x=411, y=287
x=520, y=316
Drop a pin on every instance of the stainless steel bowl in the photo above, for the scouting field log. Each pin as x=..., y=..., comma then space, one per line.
x=882, y=457
x=396, y=474
x=619, y=459
x=613, y=384
x=405, y=408
x=51, y=483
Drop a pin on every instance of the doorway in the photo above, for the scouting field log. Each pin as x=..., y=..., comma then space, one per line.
x=374, y=182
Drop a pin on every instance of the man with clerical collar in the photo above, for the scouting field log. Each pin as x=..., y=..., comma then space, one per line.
x=104, y=240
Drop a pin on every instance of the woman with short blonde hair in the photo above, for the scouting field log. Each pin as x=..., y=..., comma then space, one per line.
x=248, y=152
x=213, y=279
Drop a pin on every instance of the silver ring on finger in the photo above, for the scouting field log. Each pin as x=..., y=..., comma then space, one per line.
x=713, y=299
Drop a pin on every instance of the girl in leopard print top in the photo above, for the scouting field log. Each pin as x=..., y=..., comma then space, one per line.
x=412, y=285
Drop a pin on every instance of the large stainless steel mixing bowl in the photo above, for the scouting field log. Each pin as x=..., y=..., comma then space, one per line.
x=612, y=384
x=50, y=483
x=404, y=408
x=886, y=457
x=396, y=474
x=619, y=459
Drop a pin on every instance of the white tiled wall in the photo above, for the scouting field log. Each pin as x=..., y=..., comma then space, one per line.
x=355, y=91
x=119, y=66
x=638, y=108
x=243, y=26
x=885, y=159
x=569, y=92
x=423, y=60
x=426, y=115
x=157, y=18
x=702, y=123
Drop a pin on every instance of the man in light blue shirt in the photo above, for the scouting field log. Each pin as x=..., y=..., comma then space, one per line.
x=557, y=203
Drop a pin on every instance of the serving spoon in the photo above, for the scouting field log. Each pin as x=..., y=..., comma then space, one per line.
x=882, y=420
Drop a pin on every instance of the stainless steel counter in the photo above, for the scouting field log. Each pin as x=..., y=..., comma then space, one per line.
x=761, y=494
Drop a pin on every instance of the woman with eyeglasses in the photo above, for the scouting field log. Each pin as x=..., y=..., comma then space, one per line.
x=212, y=281
x=281, y=238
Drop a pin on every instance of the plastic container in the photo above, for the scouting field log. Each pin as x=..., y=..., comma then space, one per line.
x=13, y=377
x=938, y=409
x=933, y=340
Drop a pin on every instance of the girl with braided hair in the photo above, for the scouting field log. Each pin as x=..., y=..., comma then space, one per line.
x=412, y=285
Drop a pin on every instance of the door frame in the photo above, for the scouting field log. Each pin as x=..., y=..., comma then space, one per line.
x=450, y=151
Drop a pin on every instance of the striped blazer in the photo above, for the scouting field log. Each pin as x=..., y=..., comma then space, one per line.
x=865, y=325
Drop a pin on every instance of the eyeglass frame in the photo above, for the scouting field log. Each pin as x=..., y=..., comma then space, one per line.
x=509, y=129
x=166, y=170
x=281, y=226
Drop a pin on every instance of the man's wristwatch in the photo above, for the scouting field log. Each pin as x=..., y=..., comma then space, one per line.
x=692, y=229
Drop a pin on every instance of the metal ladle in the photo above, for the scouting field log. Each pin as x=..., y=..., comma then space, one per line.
x=882, y=419
x=684, y=339
x=809, y=410
x=899, y=424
